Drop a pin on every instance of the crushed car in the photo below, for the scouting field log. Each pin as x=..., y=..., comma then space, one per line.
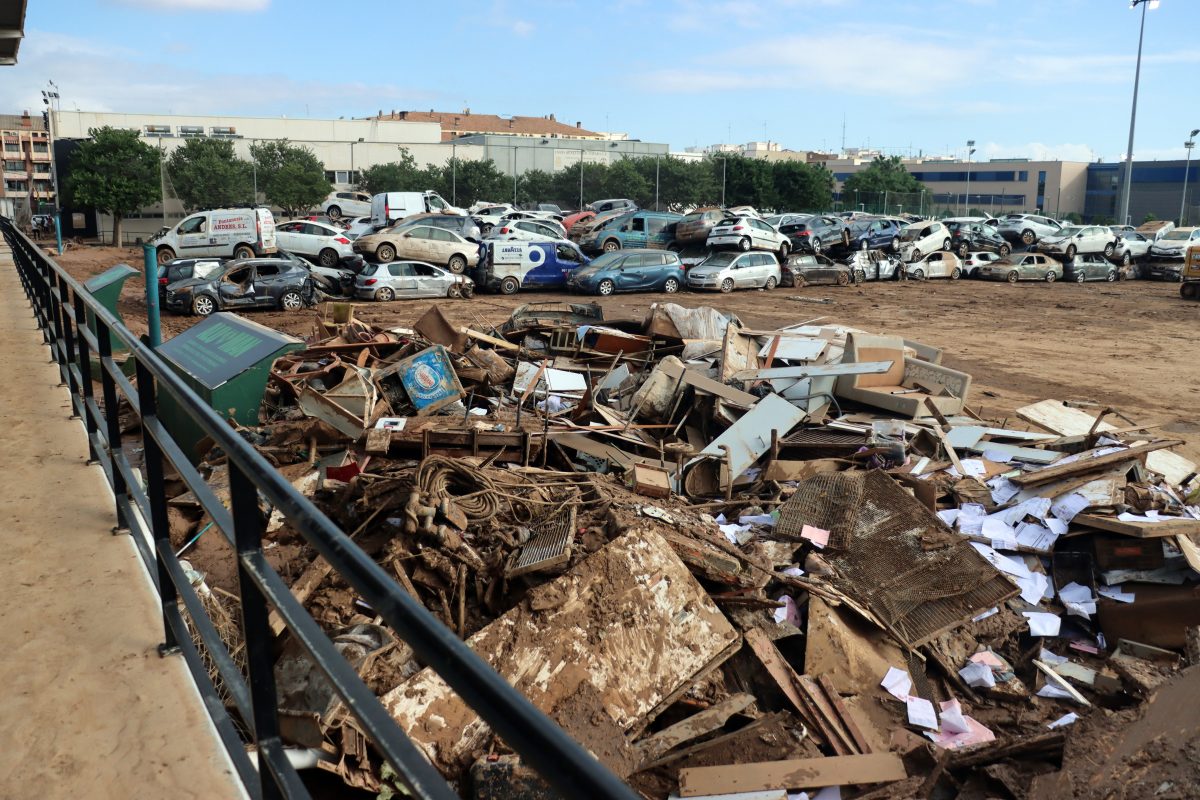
x=806, y=269
x=402, y=280
x=1022, y=267
x=243, y=285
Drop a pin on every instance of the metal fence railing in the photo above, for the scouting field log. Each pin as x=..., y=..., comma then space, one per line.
x=62, y=306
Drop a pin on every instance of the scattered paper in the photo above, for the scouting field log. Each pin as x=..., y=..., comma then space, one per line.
x=989, y=658
x=1068, y=506
x=818, y=536
x=1116, y=593
x=758, y=519
x=999, y=533
x=391, y=423
x=976, y=733
x=1051, y=658
x=1055, y=692
x=897, y=682
x=1078, y=600
x=1149, y=516
x=1064, y=720
x=828, y=793
x=986, y=614
x=921, y=713
x=1036, y=537
x=1042, y=623
x=737, y=534
x=794, y=571
x=973, y=467
x=977, y=675
x=1003, y=489
x=970, y=518
x=1056, y=526
x=952, y=717
x=788, y=611
x=948, y=516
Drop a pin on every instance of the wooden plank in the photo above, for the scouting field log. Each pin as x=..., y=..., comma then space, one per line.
x=831, y=692
x=695, y=726
x=829, y=717
x=707, y=385
x=1061, y=682
x=503, y=344
x=716, y=741
x=785, y=678
x=1142, y=530
x=1085, y=465
x=810, y=370
x=800, y=773
x=302, y=589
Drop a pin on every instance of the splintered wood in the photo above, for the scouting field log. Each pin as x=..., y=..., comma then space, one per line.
x=629, y=624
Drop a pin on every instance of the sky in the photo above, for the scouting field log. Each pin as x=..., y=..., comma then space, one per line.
x=1023, y=78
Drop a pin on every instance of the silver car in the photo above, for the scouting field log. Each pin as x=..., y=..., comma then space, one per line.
x=748, y=233
x=726, y=271
x=409, y=279
x=1026, y=228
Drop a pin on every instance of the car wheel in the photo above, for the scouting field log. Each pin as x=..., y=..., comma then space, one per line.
x=1071, y=250
x=611, y=245
x=1109, y=249
x=914, y=256
x=843, y=279
x=1080, y=277
x=291, y=301
x=454, y=292
x=165, y=256
x=946, y=243
x=1051, y=276
x=860, y=276
x=334, y=212
x=784, y=248
x=1004, y=250
x=1028, y=237
x=1111, y=276
x=457, y=264
x=919, y=274
x=671, y=286
x=509, y=285
x=385, y=295
x=606, y=288
x=328, y=257
x=243, y=251
x=895, y=244
x=203, y=305
x=963, y=250
x=956, y=274
x=770, y=283
x=385, y=253
x=487, y=228
x=1014, y=276
x=727, y=286
x=816, y=244
x=744, y=243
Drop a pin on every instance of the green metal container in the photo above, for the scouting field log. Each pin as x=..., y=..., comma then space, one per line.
x=226, y=359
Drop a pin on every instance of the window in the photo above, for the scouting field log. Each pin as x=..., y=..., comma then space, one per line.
x=435, y=203
x=638, y=225
x=421, y=233
x=14, y=166
x=316, y=230
x=634, y=262
x=12, y=147
x=238, y=275
x=424, y=270
x=656, y=225
x=345, y=196
x=193, y=225
x=565, y=253
x=268, y=270
x=41, y=147
x=400, y=270
x=341, y=176
x=439, y=235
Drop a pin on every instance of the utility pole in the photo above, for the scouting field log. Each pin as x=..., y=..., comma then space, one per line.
x=1123, y=215
x=1183, y=209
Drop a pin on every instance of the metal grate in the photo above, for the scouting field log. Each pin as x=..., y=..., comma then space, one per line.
x=550, y=545
x=819, y=443
x=892, y=555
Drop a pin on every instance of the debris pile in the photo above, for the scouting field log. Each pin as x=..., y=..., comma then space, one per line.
x=724, y=559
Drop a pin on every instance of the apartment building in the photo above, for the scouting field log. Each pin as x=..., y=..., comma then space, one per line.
x=28, y=180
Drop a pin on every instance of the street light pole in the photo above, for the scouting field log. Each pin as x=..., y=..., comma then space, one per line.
x=1188, y=145
x=656, y=183
x=970, y=152
x=1123, y=215
x=453, y=173
x=724, y=162
x=352, y=170
x=581, y=179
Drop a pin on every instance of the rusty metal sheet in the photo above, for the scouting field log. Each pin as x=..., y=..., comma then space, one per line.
x=629, y=624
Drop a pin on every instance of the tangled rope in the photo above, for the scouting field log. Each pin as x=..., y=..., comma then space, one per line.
x=470, y=488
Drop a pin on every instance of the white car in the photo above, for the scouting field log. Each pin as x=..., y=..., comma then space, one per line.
x=359, y=226
x=974, y=261
x=325, y=244
x=940, y=264
x=922, y=238
x=527, y=230
x=1080, y=239
x=1131, y=246
x=1175, y=243
x=744, y=211
x=1027, y=228
x=346, y=204
x=725, y=272
x=490, y=215
x=748, y=233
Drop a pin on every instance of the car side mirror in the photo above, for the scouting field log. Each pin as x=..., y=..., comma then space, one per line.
x=408, y=236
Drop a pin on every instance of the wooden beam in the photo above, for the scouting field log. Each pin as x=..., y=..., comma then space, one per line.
x=800, y=773
x=1172, y=526
x=695, y=726
x=1084, y=465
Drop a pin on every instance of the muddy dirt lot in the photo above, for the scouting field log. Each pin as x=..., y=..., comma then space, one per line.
x=1129, y=345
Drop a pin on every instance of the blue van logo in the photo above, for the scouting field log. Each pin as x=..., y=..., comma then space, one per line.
x=536, y=256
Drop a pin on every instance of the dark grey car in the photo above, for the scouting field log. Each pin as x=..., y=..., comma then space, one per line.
x=245, y=284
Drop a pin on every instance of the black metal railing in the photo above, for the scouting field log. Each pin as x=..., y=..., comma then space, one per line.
x=62, y=307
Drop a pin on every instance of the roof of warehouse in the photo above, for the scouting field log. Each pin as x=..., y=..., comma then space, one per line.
x=457, y=122
x=12, y=29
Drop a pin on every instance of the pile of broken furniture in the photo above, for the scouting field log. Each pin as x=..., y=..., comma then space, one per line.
x=725, y=559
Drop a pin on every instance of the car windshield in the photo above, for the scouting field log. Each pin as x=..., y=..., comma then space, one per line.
x=693, y=217
x=718, y=260
x=1070, y=230
x=606, y=260
x=1179, y=236
x=912, y=234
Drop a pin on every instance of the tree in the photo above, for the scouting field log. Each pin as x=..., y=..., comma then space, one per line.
x=746, y=181
x=208, y=174
x=797, y=186
x=291, y=176
x=114, y=172
x=622, y=179
x=1150, y=217
x=395, y=176
x=534, y=186
x=1073, y=217
x=882, y=175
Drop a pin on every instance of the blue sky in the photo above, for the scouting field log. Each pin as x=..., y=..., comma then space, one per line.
x=1035, y=78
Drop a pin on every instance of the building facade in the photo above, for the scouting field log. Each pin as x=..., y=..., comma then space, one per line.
x=1156, y=189
x=28, y=176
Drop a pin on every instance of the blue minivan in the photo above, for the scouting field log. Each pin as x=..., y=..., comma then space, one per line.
x=638, y=229
x=507, y=266
x=629, y=271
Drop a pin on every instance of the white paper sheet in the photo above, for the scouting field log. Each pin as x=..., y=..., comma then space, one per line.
x=999, y=533
x=998, y=456
x=1116, y=593
x=977, y=675
x=1036, y=537
x=1003, y=489
x=984, y=615
x=1055, y=692
x=948, y=516
x=1068, y=506
x=1064, y=720
x=921, y=713
x=897, y=682
x=952, y=717
x=1042, y=623
x=1078, y=600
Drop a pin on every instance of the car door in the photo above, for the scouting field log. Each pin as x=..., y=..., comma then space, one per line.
x=432, y=281
x=286, y=235
x=402, y=278
x=443, y=244
x=236, y=288
x=193, y=235
x=568, y=258
x=416, y=243
x=633, y=232
x=269, y=284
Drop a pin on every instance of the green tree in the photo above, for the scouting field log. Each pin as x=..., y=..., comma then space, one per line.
x=622, y=179
x=114, y=172
x=1150, y=217
x=1073, y=217
x=208, y=174
x=534, y=186
x=746, y=181
x=797, y=186
x=291, y=176
x=472, y=181
x=882, y=175
x=394, y=176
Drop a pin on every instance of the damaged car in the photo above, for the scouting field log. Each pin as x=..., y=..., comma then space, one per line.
x=1090, y=267
x=409, y=279
x=942, y=264
x=245, y=284
x=748, y=233
x=725, y=271
x=1022, y=267
x=806, y=269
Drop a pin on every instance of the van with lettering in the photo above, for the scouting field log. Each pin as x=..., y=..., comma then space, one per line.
x=223, y=232
x=509, y=266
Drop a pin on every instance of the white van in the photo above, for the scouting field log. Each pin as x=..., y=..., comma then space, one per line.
x=390, y=207
x=228, y=232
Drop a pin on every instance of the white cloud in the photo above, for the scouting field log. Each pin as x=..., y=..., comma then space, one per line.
x=522, y=27
x=244, y=6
